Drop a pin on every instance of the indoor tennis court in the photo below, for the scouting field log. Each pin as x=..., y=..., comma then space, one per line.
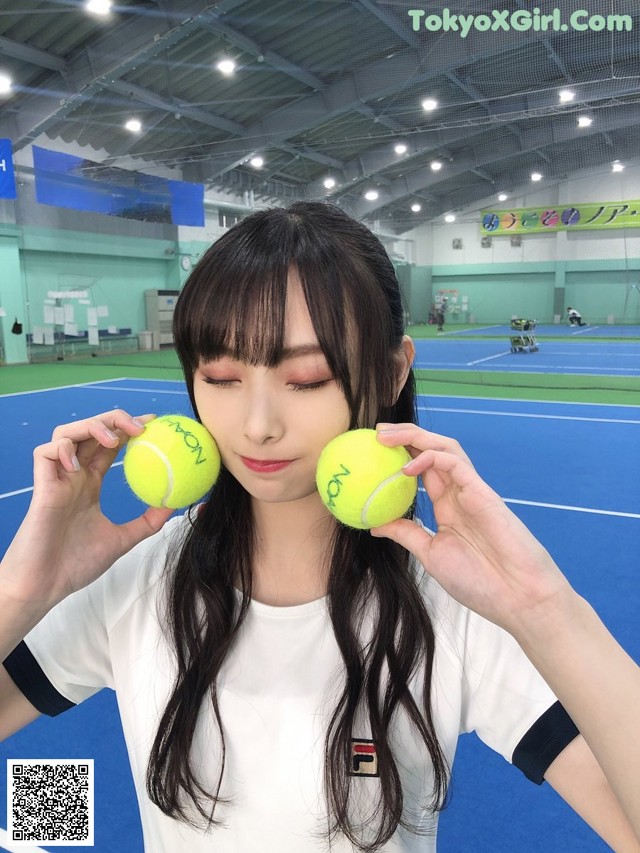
x=499, y=170
x=564, y=468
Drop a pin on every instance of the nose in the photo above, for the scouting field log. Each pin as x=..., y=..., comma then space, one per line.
x=263, y=420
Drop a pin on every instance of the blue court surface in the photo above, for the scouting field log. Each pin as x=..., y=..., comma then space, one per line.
x=547, y=330
x=606, y=358
x=569, y=471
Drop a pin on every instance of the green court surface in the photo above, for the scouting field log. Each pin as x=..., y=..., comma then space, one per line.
x=164, y=364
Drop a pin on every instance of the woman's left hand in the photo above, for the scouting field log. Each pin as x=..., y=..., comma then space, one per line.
x=481, y=553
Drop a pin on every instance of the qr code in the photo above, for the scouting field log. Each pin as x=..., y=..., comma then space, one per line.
x=50, y=802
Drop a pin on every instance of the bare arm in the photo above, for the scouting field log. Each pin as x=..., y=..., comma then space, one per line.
x=578, y=779
x=486, y=558
x=599, y=685
x=64, y=542
x=15, y=711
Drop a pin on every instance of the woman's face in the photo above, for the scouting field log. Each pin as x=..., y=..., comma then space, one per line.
x=271, y=424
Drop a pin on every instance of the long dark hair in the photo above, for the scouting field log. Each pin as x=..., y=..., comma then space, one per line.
x=235, y=299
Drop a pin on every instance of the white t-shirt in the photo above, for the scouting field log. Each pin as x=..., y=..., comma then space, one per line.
x=277, y=689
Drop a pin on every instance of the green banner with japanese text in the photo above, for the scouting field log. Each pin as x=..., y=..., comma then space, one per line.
x=566, y=217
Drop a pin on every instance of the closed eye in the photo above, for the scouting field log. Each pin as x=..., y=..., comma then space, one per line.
x=309, y=386
x=220, y=383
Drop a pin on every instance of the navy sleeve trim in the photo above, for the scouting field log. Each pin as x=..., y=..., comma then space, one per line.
x=30, y=679
x=544, y=742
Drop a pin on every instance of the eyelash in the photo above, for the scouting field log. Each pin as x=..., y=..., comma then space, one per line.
x=311, y=386
x=227, y=383
x=219, y=383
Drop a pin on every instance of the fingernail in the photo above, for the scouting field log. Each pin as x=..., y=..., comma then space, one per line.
x=137, y=423
x=110, y=434
x=75, y=463
x=386, y=427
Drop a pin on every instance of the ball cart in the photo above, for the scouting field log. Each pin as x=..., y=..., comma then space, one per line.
x=525, y=340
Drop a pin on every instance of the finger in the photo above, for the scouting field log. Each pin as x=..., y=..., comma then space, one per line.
x=99, y=426
x=150, y=522
x=103, y=457
x=446, y=474
x=109, y=431
x=408, y=534
x=87, y=435
x=50, y=458
x=416, y=439
x=442, y=461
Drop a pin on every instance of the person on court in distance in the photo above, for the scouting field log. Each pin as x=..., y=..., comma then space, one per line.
x=288, y=684
x=575, y=317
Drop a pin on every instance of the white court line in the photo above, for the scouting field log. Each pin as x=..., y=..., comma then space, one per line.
x=437, y=365
x=61, y=387
x=527, y=415
x=11, y=848
x=583, y=354
x=30, y=488
x=563, y=506
x=582, y=332
x=519, y=400
x=95, y=384
x=142, y=379
x=136, y=390
x=422, y=489
x=488, y=358
x=573, y=508
x=17, y=492
x=555, y=368
x=466, y=331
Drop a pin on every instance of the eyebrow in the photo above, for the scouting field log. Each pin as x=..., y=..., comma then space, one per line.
x=300, y=350
x=288, y=353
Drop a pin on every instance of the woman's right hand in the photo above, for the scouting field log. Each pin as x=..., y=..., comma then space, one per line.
x=65, y=542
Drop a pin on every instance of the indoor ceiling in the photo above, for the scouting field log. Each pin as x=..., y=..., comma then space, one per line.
x=328, y=89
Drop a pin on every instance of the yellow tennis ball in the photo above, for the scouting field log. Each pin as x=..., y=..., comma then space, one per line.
x=173, y=463
x=360, y=480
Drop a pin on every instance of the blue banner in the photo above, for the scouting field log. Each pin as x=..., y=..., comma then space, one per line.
x=7, y=177
x=67, y=181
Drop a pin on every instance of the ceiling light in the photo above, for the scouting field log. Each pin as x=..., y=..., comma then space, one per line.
x=98, y=7
x=584, y=121
x=429, y=104
x=617, y=166
x=436, y=165
x=134, y=125
x=400, y=148
x=256, y=162
x=502, y=196
x=566, y=95
x=329, y=183
x=371, y=195
x=536, y=176
x=226, y=66
x=449, y=218
x=5, y=84
x=416, y=208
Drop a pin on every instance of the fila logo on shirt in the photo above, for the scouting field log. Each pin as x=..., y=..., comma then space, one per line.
x=363, y=758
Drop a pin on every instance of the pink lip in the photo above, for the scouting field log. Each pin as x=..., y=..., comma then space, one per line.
x=265, y=466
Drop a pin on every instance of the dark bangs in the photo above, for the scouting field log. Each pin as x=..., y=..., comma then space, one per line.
x=234, y=302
